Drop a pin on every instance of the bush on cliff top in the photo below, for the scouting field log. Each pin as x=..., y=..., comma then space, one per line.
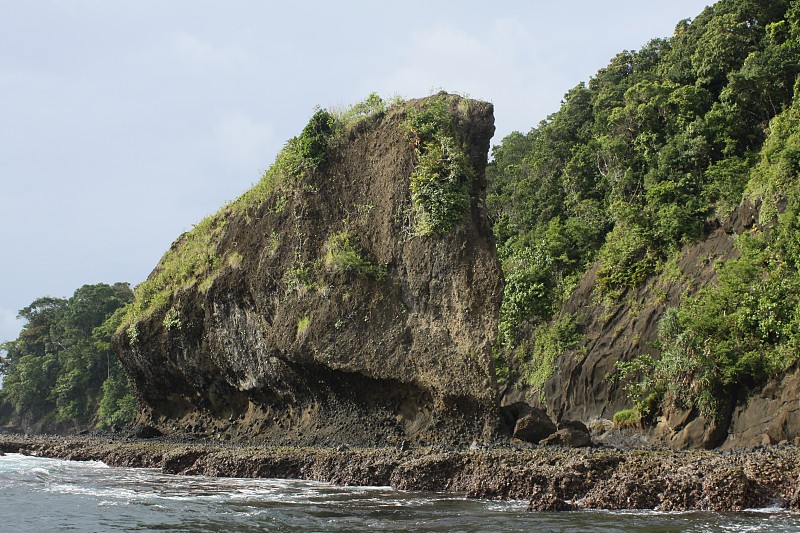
x=443, y=174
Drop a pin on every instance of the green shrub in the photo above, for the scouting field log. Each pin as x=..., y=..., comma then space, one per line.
x=302, y=324
x=299, y=279
x=312, y=144
x=371, y=106
x=117, y=404
x=625, y=261
x=441, y=180
x=343, y=254
x=172, y=319
x=550, y=341
x=526, y=295
x=627, y=419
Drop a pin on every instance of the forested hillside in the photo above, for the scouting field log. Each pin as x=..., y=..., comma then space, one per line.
x=650, y=156
x=60, y=373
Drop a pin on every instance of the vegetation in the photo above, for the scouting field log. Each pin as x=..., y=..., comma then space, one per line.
x=302, y=324
x=638, y=163
x=732, y=336
x=343, y=254
x=626, y=419
x=548, y=342
x=442, y=176
x=61, y=367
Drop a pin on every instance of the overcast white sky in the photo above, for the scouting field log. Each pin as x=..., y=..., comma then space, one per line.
x=122, y=123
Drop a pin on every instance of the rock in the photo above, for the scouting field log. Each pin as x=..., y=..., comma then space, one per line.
x=569, y=436
x=620, y=331
x=147, y=432
x=577, y=425
x=534, y=426
x=546, y=502
x=728, y=488
x=794, y=499
x=327, y=309
x=180, y=460
x=770, y=416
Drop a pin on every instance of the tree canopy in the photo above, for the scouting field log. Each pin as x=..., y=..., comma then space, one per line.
x=638, y=163
x=60, y=369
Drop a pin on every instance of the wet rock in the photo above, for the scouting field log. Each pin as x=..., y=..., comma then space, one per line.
x=545, y=501
x=147, y=432
x=180, y=460
x=794, y=498
x=572, y=434
x=551, y=479
x=727, y=488
x=534, y=426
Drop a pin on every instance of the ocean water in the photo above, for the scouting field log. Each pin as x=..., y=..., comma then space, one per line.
x=40, y=495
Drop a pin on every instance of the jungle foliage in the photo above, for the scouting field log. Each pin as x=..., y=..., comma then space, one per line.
x=638, y=162
x=61, y=368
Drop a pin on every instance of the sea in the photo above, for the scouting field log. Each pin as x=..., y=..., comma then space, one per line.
x=42, y=495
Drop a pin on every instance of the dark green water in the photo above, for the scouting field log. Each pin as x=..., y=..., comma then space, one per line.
x=50, y=495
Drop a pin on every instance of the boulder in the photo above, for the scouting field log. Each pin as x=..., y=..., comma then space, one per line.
x=534, y=426
x=569, y=435
x=147, y=432
x=577, y=425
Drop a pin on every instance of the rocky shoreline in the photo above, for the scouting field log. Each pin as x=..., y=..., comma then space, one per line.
x=550, y=478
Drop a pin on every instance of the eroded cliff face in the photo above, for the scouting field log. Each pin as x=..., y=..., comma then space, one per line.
x=293, y=341
x=581, y=388
x=582, y=385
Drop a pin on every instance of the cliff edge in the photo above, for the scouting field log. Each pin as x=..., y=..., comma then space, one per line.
x=350, y=297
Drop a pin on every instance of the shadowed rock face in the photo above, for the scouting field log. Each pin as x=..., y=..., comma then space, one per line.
x=282, y=347
x=580, y=387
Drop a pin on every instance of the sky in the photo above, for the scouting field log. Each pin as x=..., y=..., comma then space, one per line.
x=125, y=122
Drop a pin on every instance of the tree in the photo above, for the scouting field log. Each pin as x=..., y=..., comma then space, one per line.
x=58, y=366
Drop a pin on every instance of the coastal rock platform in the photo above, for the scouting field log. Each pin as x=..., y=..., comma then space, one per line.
x=549, y=478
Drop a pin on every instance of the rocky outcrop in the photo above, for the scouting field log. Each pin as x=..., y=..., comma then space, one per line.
x=771, y=416
x=580, y=387
x=551, y=479
x=282, y=345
